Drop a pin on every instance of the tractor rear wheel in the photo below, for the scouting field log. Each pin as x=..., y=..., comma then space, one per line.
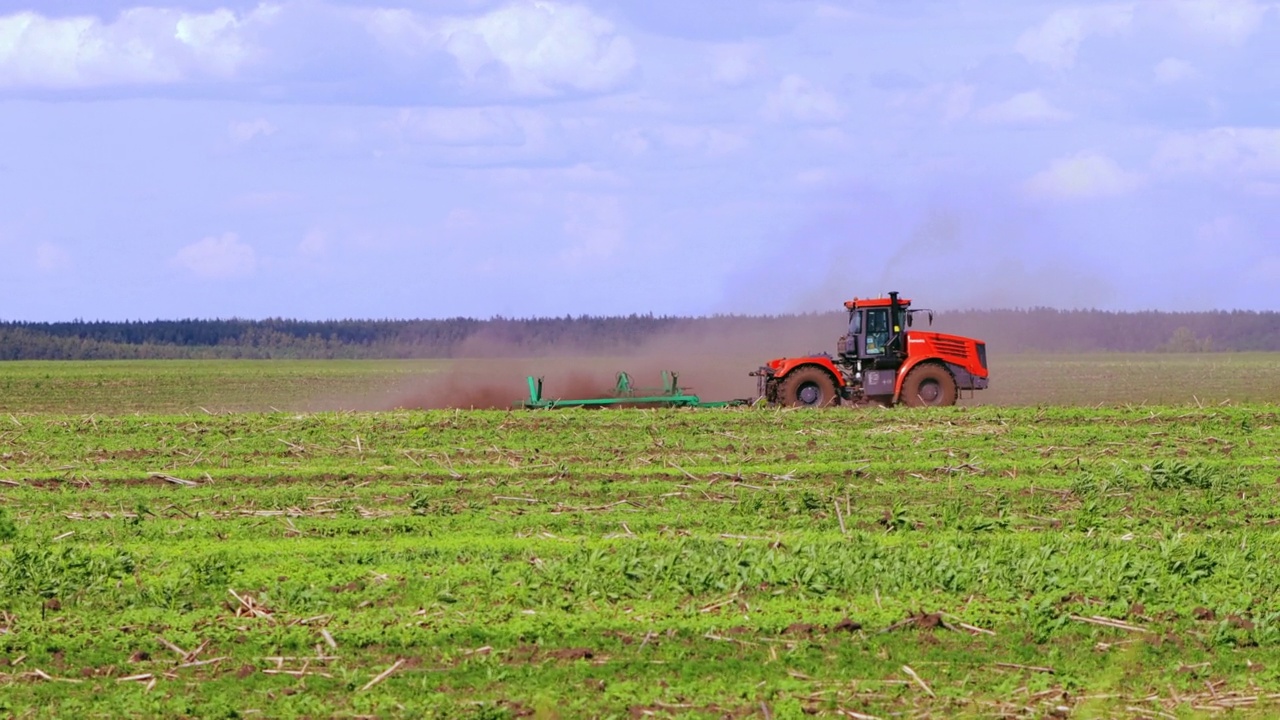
x=929, y=385
x=807, y=387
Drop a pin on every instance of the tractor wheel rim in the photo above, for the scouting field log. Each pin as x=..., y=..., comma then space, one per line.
x=930, y=391
x=809, y=394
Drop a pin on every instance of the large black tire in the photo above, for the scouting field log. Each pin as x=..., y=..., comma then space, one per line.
x=929, y=385
x=807, y=387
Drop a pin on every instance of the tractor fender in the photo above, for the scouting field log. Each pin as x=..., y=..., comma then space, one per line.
x=906, y=369
x=786, y=365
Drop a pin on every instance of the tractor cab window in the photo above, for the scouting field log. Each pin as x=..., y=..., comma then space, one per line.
x=877, y=331
x=855, y=323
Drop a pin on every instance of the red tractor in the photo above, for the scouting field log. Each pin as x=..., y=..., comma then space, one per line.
x=877, y=362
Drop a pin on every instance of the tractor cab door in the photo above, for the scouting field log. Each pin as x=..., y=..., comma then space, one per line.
x=869, y=334
x=883, y=343
x=876, y=339
x=850, y=344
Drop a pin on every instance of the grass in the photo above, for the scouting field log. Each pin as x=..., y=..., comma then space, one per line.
x=972, y=561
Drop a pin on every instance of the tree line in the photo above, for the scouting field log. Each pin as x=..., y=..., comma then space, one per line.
x=1007, y=331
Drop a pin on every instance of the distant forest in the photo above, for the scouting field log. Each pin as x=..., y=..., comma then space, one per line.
x=1005, y=331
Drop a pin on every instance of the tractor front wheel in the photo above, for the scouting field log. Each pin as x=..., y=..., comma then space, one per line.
x=929, y=385
x=807, y=387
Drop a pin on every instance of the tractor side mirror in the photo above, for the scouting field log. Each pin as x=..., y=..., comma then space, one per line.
x=910, y=320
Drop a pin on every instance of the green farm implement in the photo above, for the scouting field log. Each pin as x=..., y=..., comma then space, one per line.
x=626, y=394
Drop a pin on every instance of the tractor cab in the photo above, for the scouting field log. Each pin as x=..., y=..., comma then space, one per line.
x=869, y=332
x=876, y=335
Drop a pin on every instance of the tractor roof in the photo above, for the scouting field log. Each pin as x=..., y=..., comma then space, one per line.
x=873, y=302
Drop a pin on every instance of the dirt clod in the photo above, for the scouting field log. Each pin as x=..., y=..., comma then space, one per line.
x=1241, y=622
x=929, y=621
x=921, y=620
x=572, y=654
x=847, y=625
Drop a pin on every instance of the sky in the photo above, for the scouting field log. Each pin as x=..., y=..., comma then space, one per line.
x=323, y=159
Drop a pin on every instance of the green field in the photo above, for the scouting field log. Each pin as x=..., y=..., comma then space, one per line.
x=1028, y=560
x=201, y=386
x=178, y=386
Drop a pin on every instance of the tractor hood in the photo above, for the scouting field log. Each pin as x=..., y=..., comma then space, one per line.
x=957, y=349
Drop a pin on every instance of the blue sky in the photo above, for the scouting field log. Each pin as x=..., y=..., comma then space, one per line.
x=327, y=159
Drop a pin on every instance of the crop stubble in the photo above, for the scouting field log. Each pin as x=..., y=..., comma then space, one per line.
x=969, y=561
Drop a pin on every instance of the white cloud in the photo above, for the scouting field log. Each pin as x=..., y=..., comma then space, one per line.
x=544, y=47
x=798, y=99
x=1229, y=21
x=532, y=49
x=832, y=11
x=1227, y=151
x=1173, y=70
x=1081, y=176
x=708, y=140
x=830, y=139
x=141, y=46
x=581, y=175
x=634, y=141
x=467, y=127
x=735, y=64
x=482, y=136
x=1023, y=108
x=951, y=101
x=314, y=245
x=1056, y=41
x=705, y=140
x=1218, y=230
x=462, y=220
x=243, y=132
x=50, y=257
x=586, y=176
x=529, y=48
x=266, y=200
x=218, y=257
x=816, y=176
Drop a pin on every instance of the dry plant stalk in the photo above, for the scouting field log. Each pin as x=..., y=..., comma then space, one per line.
x=919, y=681
x=383, y=675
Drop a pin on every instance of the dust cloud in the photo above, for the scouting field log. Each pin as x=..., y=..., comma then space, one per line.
x=488, y=384
x=711, y=358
